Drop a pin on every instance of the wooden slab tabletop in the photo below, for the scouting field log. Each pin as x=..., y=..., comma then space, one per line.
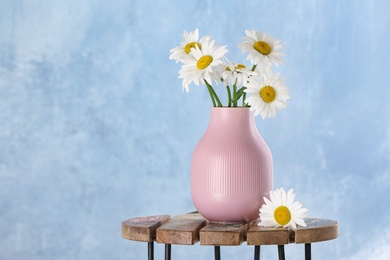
x=317, y=230
x=190, y=228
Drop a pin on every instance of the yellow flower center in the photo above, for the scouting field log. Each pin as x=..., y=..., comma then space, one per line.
x=239, y=66
x=191, y=45
x=262, y=47
x=268, y=94
x=282, y=215
x=204, y=61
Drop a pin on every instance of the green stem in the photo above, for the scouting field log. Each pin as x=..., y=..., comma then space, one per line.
x=243, y=100
x=234, y=95
x=213, y=95
x=229, y=96
x=254, y=67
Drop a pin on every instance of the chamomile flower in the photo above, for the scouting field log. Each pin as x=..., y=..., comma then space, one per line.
x=202, y=64
x=235, y=73
x=262, y=49
x=267, y=93
x=191, y=39
x=282, y=211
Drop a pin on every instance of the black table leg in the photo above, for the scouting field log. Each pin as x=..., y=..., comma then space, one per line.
x=281, y=252
x=150, y=250
x=217, y=252
x=257, y=253
x=308, y=251
x=167, y=251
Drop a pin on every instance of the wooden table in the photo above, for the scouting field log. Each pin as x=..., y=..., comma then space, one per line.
x=190, y=228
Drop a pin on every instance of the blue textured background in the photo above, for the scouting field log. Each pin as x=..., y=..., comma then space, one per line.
x=95, y=128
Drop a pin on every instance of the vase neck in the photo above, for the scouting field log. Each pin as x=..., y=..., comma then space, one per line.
x=232, y=118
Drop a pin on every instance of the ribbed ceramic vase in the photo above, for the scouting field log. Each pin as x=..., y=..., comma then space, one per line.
x=231, y=168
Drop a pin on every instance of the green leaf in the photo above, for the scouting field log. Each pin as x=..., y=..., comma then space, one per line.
x=240, y=92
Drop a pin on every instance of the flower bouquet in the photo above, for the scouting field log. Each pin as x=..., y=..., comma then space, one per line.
x=204, y=62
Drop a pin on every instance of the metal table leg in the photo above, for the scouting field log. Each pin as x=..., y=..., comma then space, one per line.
x=167, y=251
x=257, y=253
x=151, y=250
x=217, y=252
x=281, y=252
x=308, y=251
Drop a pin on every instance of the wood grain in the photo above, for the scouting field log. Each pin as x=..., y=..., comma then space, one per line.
x=182, y=229
x=191, y=228
x=258, y=235
x=317, y=230
x=223, y=234
x=142, y=228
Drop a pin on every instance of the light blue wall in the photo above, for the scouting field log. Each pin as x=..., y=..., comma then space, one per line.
x=95, y=128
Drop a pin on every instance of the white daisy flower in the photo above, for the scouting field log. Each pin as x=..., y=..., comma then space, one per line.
x=267, y=94
x=235, y=73
x=191, y=39
x=282, y=211
x=262, y=49
x=202, y=64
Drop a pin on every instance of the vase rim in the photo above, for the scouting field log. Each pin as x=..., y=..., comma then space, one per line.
x=217, y=108
x=230, y=111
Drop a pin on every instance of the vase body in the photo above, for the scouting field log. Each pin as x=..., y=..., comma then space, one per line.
x=231, y=168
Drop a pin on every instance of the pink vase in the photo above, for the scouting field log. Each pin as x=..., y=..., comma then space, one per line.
x=231, y=169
